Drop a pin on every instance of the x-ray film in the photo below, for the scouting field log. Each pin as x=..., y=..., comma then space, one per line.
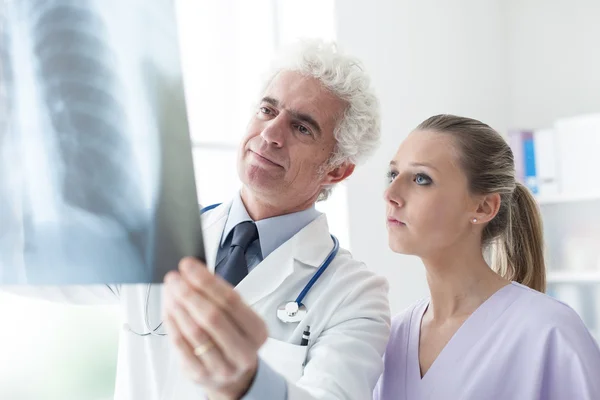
x=96, y=174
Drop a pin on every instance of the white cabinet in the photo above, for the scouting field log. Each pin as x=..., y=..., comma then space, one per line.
x=572, y=236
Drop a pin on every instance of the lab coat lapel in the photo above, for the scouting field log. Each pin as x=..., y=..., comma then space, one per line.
x=213, y=224
x=309, y=247
x=267, y=276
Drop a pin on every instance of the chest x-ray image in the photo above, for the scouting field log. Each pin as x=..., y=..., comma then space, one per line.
x=96, y=174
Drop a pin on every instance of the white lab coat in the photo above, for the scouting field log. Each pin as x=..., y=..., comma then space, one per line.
x=348, y=313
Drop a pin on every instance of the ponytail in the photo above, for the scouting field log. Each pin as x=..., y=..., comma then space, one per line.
x=518, y=253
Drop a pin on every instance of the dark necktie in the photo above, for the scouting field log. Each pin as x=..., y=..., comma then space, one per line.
x=234, y=267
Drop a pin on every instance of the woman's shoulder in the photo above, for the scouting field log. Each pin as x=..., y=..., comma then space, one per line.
x=545, y=313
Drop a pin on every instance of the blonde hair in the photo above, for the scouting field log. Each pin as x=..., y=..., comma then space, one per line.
x=514, y=235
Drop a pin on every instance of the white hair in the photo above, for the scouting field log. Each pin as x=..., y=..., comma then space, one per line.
x=357, y=133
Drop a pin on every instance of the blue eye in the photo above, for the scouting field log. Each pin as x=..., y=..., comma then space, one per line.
x=303, y=130
x=422, y=180
x=391, y=175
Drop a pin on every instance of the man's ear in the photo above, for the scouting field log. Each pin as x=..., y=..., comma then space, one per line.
x=339, y=173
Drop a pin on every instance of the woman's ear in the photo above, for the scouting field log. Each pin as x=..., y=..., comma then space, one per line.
x=487, y=208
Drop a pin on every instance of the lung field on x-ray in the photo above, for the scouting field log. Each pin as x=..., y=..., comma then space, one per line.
x=96, y=192
x=80, y=90
x=9, y=218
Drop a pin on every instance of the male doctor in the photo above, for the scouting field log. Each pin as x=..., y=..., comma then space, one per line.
x=316, y=118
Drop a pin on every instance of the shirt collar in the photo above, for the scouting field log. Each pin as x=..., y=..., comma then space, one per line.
x=272, y=232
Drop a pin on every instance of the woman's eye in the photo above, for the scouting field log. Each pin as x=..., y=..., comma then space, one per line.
x=391, y=175
x=422, y=179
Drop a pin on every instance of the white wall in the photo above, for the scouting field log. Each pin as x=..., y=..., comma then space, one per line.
x=426, y=57
x=554, y=60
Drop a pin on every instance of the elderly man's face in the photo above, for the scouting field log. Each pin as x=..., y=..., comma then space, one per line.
x=289, y=139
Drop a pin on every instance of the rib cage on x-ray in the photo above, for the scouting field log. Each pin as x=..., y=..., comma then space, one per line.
x=98, y=179
x=81, y=91
x=83, y=191
x=99, y=142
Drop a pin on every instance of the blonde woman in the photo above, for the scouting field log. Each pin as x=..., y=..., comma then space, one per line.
x=484, y=333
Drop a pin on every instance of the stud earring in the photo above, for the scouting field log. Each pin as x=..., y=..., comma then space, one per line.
x=474, y=220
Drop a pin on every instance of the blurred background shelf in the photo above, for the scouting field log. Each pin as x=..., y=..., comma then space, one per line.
x=571, y=224
x=567, y=198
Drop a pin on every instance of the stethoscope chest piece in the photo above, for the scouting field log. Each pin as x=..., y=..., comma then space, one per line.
x=290, y=312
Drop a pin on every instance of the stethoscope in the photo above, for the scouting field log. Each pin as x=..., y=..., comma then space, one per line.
x=288, y=312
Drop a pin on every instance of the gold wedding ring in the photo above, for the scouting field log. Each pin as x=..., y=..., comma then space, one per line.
x=204, y=348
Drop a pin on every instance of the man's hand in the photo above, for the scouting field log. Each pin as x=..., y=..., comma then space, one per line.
x=217, y=335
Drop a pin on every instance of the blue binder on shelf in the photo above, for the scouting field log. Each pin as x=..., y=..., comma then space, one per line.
x=529, y=169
